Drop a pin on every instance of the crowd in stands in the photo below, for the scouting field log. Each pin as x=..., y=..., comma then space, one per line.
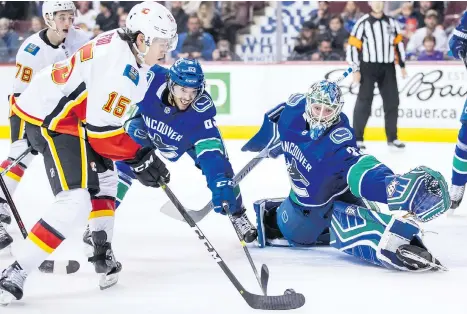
x=425, y=25
x=208, y=30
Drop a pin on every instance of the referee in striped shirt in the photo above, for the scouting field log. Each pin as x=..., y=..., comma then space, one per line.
x=375, y=45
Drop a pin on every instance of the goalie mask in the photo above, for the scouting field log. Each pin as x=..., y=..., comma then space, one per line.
x=323, y=106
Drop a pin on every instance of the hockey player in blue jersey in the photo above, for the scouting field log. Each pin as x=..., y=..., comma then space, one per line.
x=177, y=116
x=334, y=185
x=458, y=45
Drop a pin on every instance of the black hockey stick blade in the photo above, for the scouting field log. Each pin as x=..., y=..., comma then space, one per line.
x=59, y=267
x=264, y=278
x=280, y=302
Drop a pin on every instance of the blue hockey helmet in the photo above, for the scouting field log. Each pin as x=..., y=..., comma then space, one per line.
x=187, y=73
x=324, y=104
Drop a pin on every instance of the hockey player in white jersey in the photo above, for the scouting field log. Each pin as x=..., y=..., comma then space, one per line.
x=55, y=43
x=97, y=85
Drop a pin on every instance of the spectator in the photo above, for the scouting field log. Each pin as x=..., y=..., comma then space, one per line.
x=320, y=17
x=36, y=26
x=35, y=8
x=180, y=16
x=224, y=53
x=351, y=15
x=122, y=19
x=407, y=20
x=195, y=43
x=85, y=15
x=422, y=7
x=415, y=44
x=191, y=7
x=235, y=16
x=9, y=41
x=430, y=54
x=305, y=44
x=336, y=34
x=325, y=52
x=125, y=6
x=106, y=20
x=14, y=10
x=210, y=21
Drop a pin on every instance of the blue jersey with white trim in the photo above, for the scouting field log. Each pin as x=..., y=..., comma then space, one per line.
x=174, y=132
x=317, y=168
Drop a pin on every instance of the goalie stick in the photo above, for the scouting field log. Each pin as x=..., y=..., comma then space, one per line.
x=290, y=300
x=48, y=266
x=198, y=215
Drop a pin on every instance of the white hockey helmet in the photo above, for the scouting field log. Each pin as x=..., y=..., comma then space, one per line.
x=49, y=8
x=154, y=21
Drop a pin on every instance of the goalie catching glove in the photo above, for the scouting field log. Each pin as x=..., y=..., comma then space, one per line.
x=148, y=167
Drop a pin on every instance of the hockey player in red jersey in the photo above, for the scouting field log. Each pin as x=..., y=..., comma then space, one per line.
x=74, y=117
x=55, y=43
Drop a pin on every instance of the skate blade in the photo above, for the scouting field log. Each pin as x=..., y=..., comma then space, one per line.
x=5, y=298
x=422, y=260
x=107, y=281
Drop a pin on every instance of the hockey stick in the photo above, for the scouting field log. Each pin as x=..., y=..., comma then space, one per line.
x=16, y=161
x=263, y=280
x=48, y=266
x=197, y=215
x=290, y=300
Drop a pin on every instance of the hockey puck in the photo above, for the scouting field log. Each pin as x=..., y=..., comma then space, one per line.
x=289, y=291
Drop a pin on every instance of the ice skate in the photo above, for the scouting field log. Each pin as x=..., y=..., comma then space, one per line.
x=11, y=284
x=246, y=228
x=104, y=260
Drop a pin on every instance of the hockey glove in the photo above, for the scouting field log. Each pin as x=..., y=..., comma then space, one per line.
x=422, y=191
x=148, y=168
x=223, y=191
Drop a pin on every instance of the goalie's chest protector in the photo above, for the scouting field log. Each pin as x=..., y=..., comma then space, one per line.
x=315, y=170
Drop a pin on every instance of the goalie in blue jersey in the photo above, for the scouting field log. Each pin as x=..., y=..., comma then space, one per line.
x=177, y=116
x=334, y=185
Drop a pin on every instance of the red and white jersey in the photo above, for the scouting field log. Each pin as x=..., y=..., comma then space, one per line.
x=37, y=52
x=94, y=88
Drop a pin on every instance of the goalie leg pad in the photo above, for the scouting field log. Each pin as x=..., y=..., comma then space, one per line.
x=371, y=236
x=268, y=231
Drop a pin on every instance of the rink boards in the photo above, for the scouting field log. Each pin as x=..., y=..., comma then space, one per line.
x=431, y=98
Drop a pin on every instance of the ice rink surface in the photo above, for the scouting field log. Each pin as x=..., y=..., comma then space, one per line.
x=166, y=269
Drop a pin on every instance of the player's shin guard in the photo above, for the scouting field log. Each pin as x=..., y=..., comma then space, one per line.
x=69, y=208
x=422, y=191
x=14, y=176
x=375, y=237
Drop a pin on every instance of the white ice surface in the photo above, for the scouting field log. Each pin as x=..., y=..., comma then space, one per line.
x=166, y=269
